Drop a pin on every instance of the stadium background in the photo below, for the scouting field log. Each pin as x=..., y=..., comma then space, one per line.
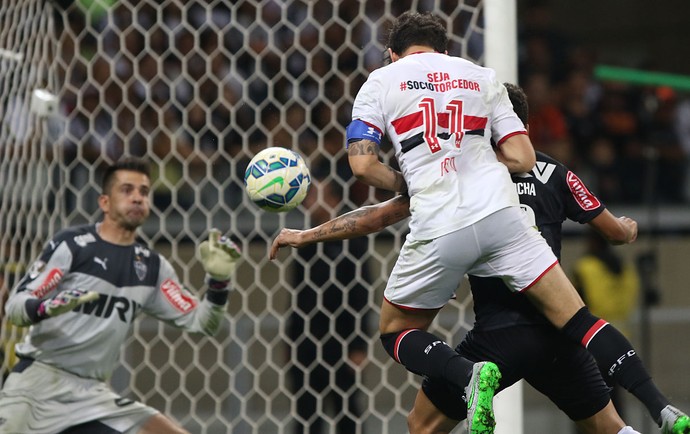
x=200, y=86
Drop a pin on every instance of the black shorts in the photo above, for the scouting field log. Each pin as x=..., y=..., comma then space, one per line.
x=560, y=369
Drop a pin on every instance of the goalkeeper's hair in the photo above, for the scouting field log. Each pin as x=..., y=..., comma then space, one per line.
x=130, y=164
x=414, y=28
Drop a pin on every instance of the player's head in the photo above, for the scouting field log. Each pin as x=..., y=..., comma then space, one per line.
x=519, y=100
x=414, y=28
x=125, y=196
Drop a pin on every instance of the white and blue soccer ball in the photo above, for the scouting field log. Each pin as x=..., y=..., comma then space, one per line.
x=277, y=179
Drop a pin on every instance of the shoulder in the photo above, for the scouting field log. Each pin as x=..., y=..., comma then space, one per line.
x=75, y=237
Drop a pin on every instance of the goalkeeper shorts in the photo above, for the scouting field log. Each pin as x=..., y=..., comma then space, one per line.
x=41, y=399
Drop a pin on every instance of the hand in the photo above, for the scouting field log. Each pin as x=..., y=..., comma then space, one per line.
x=65, y=301
x=630, y=226
x=286, y=237
x=218, y=256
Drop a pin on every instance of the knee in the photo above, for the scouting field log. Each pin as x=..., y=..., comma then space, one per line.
x=415, y=423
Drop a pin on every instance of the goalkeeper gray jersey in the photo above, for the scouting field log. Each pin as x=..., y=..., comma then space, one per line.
x=130, y=280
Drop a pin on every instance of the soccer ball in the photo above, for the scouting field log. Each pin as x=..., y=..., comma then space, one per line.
x=277, y=179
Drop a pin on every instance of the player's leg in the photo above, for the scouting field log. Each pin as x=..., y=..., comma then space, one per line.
x=160, y=424
x=558, y=300
x=605, y=421
x=426, y=275
x=527, y=264
x=425, y=418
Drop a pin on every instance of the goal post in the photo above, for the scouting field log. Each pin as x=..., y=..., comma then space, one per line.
x=501, y=54
x=199, y=88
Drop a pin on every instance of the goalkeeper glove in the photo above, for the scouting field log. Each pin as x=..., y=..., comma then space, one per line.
x=218, y=256
x=64, y=302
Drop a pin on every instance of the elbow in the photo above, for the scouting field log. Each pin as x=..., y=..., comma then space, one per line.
x=524, y=164
x=359, y=170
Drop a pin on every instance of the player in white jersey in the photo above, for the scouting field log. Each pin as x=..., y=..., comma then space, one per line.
x=441, y=115
x=80, y=298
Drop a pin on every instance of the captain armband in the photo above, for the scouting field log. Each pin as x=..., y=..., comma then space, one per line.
x=360, y=130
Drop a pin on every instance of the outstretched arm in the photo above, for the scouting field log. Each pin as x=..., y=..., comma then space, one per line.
x=356, y=223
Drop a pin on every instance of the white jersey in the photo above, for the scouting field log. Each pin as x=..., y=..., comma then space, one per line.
x=129, y=279
x=441, y=113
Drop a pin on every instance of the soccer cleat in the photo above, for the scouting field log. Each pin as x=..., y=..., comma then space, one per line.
x=479, y=395
x=674, y=421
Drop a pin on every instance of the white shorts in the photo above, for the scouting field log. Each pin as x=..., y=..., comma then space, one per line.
x=45, y=400
x=503, y=244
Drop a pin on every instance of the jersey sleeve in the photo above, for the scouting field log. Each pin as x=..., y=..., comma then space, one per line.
x=505, y=122
x=367, y=106
x=41, y=281
x=173, y=303
x=581, y=205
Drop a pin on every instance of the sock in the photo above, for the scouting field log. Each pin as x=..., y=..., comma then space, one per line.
x=628, y=430
x=616, y=358
x=425, y=354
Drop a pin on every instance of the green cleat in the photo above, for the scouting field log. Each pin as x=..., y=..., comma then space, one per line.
x=674, y=421
x=479, y=395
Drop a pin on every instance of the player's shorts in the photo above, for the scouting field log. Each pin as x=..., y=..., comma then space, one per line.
x=562, y=370
x=41, y=399
x=503, y=244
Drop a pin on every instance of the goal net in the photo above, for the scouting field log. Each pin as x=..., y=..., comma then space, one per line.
x=199, y=88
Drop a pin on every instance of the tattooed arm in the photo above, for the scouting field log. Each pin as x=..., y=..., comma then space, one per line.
x=356, y=223
x=365, y=165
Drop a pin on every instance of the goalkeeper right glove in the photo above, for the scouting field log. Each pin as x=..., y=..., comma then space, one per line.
x=218, y=256
x=65, y=301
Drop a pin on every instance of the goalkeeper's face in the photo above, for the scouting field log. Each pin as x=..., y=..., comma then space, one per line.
x=127, y=203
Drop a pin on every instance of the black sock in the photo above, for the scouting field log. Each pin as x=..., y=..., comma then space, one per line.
x=425, y=354
x=616, y=358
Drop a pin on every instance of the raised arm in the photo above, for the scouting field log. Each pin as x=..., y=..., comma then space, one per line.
x=356, y=223
x=366, y=166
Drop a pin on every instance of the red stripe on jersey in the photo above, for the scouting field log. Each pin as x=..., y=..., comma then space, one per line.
x=593, y=331
x=397, y=344
x=503, y=139
x=409, y=122
x=474, y=123
x=581, y=194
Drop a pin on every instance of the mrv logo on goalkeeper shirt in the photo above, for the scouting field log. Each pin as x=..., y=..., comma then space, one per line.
x=108, y=305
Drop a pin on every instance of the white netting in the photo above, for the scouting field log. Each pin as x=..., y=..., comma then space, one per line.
x=200, y=87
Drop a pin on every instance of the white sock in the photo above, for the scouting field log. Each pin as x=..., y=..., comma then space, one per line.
x=627, y=430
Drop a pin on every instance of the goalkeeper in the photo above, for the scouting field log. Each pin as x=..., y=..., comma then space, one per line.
x=81, y=297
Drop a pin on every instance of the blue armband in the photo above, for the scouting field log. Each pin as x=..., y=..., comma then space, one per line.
x=360, y=130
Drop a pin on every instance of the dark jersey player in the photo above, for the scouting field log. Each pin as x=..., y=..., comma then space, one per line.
x=508, y=329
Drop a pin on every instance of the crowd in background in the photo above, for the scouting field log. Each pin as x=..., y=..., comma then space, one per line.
x=203, y=87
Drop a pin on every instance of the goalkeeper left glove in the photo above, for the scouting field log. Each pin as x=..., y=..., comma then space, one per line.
x=64, y=302
x=218, y=256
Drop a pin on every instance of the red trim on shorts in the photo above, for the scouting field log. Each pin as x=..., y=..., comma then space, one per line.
x=400, y=306
x=397, y=344
x=538, y=277
x=592, y=332
x=504, y=138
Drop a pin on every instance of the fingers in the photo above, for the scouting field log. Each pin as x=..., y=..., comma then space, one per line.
x=286, y=237
x=273, y=253
x=213, y=237
x=89, y=296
